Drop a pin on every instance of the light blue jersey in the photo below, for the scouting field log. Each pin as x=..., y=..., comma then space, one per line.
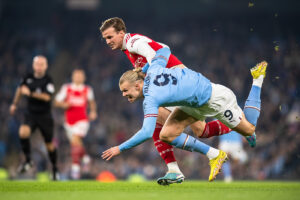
x=168, y=87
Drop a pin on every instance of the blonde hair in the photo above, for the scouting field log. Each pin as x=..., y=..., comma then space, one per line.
x=132, y=76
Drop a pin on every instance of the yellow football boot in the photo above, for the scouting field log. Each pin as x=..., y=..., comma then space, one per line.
x=216, y=165
x=259, y=69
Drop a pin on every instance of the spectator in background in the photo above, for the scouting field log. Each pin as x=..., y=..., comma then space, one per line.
x=74, y=98
x=38, y=89
x=232, y=144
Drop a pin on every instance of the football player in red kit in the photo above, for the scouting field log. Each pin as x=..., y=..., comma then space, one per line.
x=140, y=50
x=75, y=98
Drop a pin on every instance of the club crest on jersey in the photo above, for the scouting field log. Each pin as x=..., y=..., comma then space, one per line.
x=139, y=62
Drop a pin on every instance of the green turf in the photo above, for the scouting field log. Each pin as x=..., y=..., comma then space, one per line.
x=89, y=190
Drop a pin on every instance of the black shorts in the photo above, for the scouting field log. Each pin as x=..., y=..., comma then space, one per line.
x=44, y=122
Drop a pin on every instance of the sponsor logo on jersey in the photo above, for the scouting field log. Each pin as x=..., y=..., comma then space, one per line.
x=139, y=62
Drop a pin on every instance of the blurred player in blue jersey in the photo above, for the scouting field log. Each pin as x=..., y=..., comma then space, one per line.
x=197, y=97
x=232, y=144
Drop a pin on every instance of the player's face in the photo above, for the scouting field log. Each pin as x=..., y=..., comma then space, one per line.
x=113, y=38
x=40, y=65
x=78, y=77
x=132, y=91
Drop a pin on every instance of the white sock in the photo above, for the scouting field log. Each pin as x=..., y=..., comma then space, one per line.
x=259, y=81
x=75, y=171
x=173, y=167
x=212, y=153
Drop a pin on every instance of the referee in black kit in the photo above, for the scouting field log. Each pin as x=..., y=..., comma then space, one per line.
x=38, y=89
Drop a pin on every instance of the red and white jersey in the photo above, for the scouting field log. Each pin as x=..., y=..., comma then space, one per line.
x=141, y=49
x=78, y=97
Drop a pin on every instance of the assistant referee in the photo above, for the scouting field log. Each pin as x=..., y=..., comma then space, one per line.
x=37, y=88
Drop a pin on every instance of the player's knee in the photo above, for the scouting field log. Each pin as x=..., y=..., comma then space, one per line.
x=165, y=136
x=197, y=130
x=163, y=114
x=76, y=140
x=250, y=129
x=24, y=131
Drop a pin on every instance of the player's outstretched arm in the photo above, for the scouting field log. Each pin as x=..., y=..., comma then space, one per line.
x=111, y=152
x=142, y=135
x=93, y=110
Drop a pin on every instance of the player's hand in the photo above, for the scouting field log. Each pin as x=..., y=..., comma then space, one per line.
x=12, y=109
x=93, y=115
x=65, y=105
x=111, y=152
x=25, y=90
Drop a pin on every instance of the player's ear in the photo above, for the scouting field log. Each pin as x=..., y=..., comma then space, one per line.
x=138, y=86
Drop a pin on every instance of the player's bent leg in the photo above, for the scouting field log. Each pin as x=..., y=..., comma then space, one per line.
x=24, y=133
x=172, y=132
x=52, y=153
x=163, y=115
x=198, y=128
x=174, y=175
x=244, y=127
x=175, y=124
x=206, y=130
x=77, y=152
x=248, y=130
x=253, y=102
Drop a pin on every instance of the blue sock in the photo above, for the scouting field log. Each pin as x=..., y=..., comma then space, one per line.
x=189, y=143
x=252, y=105
x=226, y=168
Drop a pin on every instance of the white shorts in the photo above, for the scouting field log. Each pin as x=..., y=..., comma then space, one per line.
x=80, y=128
x=221, y=105
x=171, y=108
x=235, y=150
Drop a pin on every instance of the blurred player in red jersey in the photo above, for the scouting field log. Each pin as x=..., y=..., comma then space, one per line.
x=140, y=50
x=75, y=98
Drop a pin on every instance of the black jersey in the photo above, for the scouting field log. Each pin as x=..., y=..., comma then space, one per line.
x=38, y=85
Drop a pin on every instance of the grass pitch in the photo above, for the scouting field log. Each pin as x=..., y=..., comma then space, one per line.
x=90, y=190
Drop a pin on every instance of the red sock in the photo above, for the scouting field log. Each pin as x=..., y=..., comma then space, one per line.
x=77, y=152
x=165, y=150
x=214, y=128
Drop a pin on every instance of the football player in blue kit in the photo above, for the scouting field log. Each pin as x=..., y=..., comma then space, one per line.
x=197, y=99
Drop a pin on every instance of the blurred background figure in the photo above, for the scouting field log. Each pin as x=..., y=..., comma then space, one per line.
x=38, y=89
x=232, y=144
x=76, y=98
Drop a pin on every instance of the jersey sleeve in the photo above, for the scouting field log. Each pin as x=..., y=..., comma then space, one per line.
x=90, y=94
x=23, y=80
x=140, y=45
x=146, y=132
x=62, y=94
x=161, y=59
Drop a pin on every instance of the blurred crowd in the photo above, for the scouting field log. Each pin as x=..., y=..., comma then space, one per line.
x=224, y=53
